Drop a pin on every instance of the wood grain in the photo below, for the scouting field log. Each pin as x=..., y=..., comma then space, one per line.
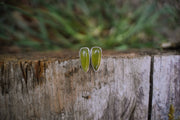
x=61, y=90
x=166, y=86
x=128, y=86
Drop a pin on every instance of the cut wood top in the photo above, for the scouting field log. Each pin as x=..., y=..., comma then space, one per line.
x=69, y=54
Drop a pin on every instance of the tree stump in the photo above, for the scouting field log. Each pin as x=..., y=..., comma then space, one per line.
x=128, y=86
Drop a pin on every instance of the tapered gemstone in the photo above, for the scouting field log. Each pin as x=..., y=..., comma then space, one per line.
x=85, y=58
x=96, y=53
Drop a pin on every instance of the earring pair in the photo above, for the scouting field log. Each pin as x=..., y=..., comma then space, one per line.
x=93, y=57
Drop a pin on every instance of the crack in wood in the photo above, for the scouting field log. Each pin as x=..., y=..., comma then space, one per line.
x=151, y=88
x=1, y=82
x=39, y=71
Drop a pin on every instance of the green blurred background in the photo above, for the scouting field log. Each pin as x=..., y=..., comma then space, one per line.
x=43, y=25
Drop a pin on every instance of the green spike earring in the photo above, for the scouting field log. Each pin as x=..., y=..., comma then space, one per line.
x=84, y=55
x=96, y=53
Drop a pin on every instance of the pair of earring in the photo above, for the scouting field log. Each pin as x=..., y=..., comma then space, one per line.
x=93, y=57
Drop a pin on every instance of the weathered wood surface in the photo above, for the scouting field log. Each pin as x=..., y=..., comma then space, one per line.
x=52, y=88
x=166, y=86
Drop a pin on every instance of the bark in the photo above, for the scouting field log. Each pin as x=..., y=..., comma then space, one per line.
x=128, y=86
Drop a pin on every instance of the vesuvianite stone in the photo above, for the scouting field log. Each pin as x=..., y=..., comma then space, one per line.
x=85, y=58
x=96, y=53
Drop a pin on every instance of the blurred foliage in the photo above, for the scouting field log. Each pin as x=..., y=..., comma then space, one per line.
x=76, y=23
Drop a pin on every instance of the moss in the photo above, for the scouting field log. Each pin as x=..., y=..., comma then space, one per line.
x=171, y=112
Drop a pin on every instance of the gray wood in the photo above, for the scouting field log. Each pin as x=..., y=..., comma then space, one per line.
x=166, y=86
x=50, y=89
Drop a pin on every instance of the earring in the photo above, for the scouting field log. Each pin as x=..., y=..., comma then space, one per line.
x=84, y=55
x=96, y=53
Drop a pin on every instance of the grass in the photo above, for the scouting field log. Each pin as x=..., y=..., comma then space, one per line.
x=74, y=24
